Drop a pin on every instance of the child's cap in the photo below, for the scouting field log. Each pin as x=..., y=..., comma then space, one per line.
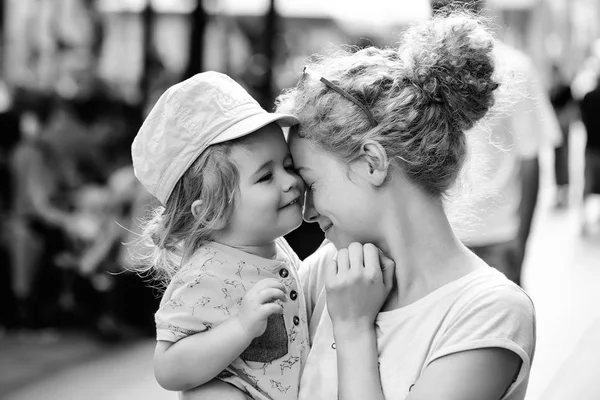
x=203, y=110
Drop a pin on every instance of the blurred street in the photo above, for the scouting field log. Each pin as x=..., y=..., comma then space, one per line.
x=562, y=275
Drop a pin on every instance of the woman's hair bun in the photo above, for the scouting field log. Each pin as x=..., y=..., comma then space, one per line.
x=449, y=58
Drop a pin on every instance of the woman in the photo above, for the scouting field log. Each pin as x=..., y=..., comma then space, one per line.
x=381, y=140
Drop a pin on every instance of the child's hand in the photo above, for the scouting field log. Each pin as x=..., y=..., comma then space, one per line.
x=357, y=285
x=259, y=303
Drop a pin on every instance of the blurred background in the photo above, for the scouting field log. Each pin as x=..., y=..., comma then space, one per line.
x=77, y=78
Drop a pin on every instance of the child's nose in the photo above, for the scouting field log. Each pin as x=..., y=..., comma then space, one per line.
x=293, y=181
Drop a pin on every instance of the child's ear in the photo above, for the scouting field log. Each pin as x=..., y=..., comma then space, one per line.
x=196, y=208
x=376, y=162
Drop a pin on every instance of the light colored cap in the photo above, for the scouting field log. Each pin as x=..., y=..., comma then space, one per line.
x=203, y=110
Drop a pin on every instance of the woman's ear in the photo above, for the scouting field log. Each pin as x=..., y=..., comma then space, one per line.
x=196, y=208
x=376, y=162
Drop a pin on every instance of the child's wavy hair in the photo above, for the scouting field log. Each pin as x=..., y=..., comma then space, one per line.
x=172, y=233
x=423, y=94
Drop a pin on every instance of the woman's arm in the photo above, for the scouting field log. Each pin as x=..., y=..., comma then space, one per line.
x=357, y=285
x=358, y=371
x=482, y=374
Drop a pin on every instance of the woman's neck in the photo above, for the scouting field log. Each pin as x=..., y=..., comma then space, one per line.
x=418, y=237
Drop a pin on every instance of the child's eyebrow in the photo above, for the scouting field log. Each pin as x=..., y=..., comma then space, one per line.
x=263, y=166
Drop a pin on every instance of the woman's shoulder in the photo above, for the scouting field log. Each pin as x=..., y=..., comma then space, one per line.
x=490, y=305
x=489, y=286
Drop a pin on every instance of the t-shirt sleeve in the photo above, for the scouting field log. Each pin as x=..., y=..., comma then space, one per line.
x=193, y=302
x=503, y=316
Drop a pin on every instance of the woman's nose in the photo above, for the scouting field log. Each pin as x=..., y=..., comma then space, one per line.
x=309, y=213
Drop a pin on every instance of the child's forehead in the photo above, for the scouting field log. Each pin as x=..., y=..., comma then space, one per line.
x=261, y=146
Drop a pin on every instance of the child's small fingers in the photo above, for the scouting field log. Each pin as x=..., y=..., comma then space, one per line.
x=269, y=295
x=268, y=283
x=271, y=308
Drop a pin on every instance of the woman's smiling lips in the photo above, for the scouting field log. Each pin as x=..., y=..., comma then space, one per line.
x=326, y=227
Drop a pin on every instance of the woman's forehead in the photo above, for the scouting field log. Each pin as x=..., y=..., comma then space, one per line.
x=301, y=147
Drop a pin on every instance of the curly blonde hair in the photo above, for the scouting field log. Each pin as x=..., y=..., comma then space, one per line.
x=423, y=94
x=172, y=233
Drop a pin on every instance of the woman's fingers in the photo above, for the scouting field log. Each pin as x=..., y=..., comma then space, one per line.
x=371, y=259
x=355, y=256
x=388, y=268
x=343, y=261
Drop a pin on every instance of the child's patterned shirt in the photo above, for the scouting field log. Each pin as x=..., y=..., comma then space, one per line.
x=209, y=289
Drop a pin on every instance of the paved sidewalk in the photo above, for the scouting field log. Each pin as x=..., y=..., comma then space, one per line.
x=122, y=372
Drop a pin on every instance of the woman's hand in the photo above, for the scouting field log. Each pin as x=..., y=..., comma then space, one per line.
x=357, y=284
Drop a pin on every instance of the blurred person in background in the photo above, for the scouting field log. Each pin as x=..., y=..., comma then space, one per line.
x=9, y=137
x=590, y=115
x=566, y=111
x=510, y=142
x=41, y=221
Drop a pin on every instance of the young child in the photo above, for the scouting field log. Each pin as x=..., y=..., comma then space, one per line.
x=233, y=308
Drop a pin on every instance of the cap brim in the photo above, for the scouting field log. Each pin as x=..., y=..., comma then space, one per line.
x=252, y=124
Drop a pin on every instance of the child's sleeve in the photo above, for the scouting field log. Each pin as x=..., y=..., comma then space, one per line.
x=194, y=302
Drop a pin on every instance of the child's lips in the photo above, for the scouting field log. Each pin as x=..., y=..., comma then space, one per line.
x=291, y=203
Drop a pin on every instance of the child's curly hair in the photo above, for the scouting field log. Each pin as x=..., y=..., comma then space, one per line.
x=424, y=95
x=172, y=233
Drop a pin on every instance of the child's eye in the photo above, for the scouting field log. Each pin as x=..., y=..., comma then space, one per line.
x=266, y=177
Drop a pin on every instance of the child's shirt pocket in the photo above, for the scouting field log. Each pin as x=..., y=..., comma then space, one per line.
x=271, y=345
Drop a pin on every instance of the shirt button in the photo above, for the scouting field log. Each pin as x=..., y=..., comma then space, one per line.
x=296, y=320
x=284, y=273
x=293, y=295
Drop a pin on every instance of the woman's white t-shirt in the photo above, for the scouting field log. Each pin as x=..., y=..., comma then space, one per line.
x=481, y=309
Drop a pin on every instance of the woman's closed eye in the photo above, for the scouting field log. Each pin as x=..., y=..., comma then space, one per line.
x=291, y=168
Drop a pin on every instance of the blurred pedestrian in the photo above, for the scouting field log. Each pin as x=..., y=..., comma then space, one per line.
x=590, y=115
x=566, y=111
x=9, y=137
x=510, y=142
x=40, y=222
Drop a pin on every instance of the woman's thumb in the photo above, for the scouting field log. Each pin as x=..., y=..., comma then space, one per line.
x=388, y=267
